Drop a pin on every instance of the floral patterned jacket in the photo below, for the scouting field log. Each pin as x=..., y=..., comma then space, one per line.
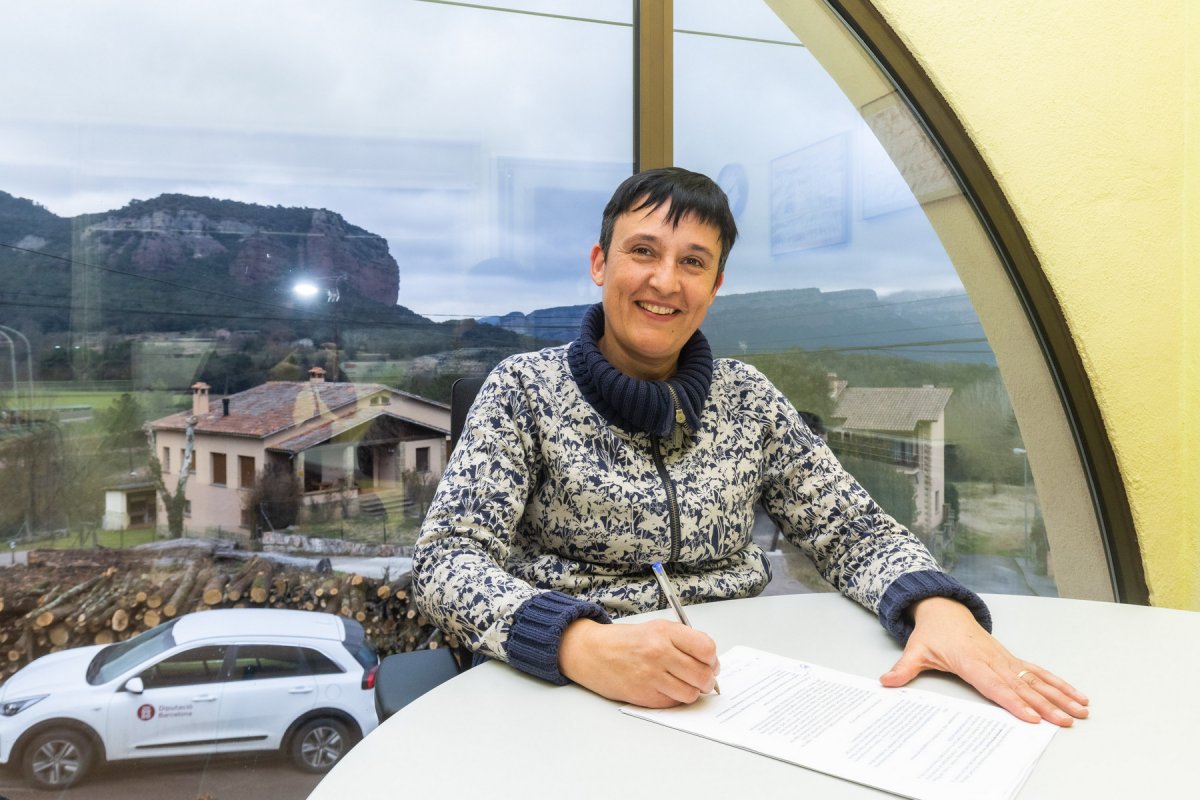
x=547, y=512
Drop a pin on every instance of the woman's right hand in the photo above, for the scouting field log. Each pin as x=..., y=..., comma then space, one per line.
x=654, y=664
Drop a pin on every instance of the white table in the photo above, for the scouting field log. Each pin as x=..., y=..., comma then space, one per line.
x=494, y=732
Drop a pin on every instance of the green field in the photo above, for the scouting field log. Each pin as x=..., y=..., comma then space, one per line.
x=110, y=540
x=98, y=400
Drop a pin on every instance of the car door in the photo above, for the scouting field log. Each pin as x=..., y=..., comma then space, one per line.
x=270, y=685
x=177, y=713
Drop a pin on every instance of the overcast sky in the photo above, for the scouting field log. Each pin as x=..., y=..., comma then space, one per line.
x=481, y=144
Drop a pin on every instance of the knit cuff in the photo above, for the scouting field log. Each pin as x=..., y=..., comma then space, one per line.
x=911, y=587
x=537, y=630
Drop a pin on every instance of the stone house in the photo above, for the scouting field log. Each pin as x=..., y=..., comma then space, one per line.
x=903, y=427
x=342, y=440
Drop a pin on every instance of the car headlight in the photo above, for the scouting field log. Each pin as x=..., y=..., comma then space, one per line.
x=13, y=707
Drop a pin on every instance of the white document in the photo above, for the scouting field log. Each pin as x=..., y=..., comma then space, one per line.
x=909, y=742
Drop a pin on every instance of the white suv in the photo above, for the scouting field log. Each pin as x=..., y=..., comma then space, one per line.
x=216, y=681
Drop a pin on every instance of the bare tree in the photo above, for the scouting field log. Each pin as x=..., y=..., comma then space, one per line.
x=420, y=486
x=276, y=498
x=177, y=501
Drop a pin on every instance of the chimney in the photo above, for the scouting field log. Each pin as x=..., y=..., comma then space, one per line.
x=316, y=375
x=224, y=406
x=200, y=398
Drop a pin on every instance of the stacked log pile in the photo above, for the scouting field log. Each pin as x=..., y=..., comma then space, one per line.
x=64, y=600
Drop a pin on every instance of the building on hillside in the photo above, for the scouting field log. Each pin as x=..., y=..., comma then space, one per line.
x=342, y=440
x=130, y=503
x=903, y=427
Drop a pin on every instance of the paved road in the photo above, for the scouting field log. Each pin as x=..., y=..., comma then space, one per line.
x=266, y=777
x=1002, y=575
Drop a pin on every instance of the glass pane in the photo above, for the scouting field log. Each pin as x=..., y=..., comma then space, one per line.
x=266, y=230
x=254, y=662
x=191, y=667
x=841, y=291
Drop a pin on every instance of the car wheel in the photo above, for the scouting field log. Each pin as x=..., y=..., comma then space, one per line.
x=57, y=759
x=319, y=744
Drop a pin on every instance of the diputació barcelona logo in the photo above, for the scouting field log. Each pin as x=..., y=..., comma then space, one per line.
x=145, y=712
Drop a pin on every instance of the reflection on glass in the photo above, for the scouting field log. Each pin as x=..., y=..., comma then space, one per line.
x=242, y=263
x=841, y=291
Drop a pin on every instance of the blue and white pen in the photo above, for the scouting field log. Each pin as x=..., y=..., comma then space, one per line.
x=664, y=583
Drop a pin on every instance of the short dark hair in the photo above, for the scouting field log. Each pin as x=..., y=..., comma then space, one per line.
x=689, y=193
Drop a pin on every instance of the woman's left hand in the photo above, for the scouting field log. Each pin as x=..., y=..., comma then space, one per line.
x=946, y=637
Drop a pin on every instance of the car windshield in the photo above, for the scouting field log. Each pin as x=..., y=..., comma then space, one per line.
x=115, y=659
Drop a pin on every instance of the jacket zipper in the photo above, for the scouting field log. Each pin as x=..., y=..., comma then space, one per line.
x=660, y=465
x=672, y=502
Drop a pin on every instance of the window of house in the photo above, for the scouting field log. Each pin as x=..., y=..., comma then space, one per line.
x=246, y=472
x=192, y=463
x=422, y=459
x=218, y=469
x=166, y=459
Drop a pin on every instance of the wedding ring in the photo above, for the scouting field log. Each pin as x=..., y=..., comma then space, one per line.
x=1021, y=675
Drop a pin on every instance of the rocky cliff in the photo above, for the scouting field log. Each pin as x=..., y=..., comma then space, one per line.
x=247, y=245
x=182, y=262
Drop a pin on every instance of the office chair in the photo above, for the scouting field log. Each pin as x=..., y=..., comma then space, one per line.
x=462, y=394
x=404, y=677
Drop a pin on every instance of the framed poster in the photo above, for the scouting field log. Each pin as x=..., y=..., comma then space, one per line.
x=810, y=196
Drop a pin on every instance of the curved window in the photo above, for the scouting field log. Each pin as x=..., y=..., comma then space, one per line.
x=246, y=248
x=864, y=285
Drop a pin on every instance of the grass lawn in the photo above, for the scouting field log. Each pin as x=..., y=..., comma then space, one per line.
x=364, y=529
x=112, y=540
x=58, y=398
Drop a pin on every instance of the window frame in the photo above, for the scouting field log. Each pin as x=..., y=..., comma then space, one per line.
x=246, y=472
x=1101, y=471
x=215, y=459
x=1089, y=474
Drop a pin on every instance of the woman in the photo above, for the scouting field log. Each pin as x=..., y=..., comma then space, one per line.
x=584, y=464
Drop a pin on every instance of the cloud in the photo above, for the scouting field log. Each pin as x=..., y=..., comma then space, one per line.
x=460, y=135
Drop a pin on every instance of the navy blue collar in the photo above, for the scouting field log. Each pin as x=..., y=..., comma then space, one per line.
x=637, y=405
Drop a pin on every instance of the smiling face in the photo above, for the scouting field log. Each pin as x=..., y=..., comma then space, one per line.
x=659, y=280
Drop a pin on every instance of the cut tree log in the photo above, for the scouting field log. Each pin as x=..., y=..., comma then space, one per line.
x=258, y=587
x=181, y=593
x=46, y=611
x=240, y=583
x=214, y=590
x=85, y=605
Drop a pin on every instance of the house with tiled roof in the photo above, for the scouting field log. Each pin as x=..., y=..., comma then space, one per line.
x=342, y=440
x=903, y=427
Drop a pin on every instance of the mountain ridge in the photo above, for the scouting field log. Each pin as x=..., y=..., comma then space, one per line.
x=921, y=325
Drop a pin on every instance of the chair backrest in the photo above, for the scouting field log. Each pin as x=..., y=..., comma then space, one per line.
x=462, y=394
x=404, y=677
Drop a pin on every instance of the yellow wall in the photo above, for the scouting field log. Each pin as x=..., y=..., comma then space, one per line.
x=1083, y=109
